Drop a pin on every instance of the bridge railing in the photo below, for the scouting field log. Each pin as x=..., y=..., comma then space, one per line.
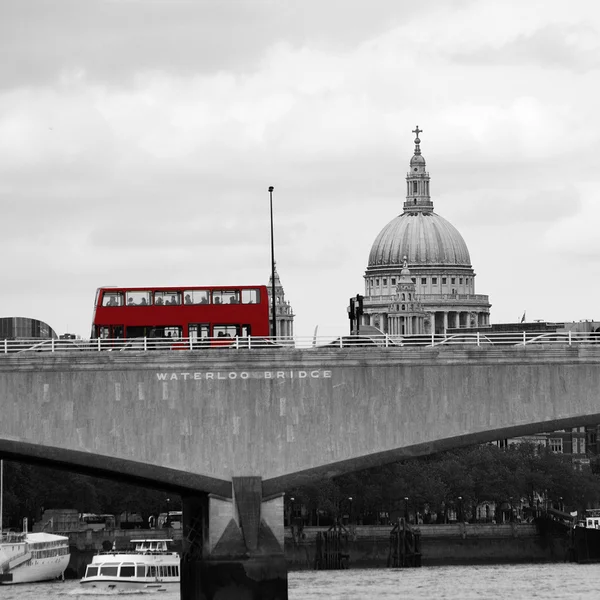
x=147, y=344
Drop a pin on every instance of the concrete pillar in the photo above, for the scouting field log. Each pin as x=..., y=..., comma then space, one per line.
x=445, y=320
x=233, y=547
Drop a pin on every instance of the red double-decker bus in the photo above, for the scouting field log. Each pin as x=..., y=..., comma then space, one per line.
x=176, y=313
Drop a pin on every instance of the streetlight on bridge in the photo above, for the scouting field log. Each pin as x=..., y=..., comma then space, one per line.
x=274, y=322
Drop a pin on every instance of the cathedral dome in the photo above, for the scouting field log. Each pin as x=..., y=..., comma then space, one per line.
x=425, y=238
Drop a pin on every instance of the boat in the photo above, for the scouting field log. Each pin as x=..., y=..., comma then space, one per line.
x=150, y=567
x=30, y=557
x=584, y=540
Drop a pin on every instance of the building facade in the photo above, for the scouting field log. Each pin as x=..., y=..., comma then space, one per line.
x=424, y=246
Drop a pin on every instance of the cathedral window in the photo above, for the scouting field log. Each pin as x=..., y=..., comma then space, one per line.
x=414, y=279
x=377, y=282
x=393, y=281
x=453, y=280
x=443, y=281
x=434, y=281
x=403, y=297
x=415, y=187
x=423, y=280
x=460, y=281
x=403, y=307
x=385, y=281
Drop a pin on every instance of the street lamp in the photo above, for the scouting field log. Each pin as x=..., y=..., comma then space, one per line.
x=406, y=508
x=459, y=516
x=350, y=511
x=274, y=324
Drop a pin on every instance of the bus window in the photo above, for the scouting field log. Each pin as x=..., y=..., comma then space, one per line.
x=172, y=332
x=226, y=297
x=246, y=331
x=225, y=331
x=199, y=330
x=250, y=296
x=167, y=298
x=195, y=296
x=138, y=298
x=112, y=299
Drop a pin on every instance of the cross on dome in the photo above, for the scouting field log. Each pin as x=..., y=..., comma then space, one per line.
x=417, y=131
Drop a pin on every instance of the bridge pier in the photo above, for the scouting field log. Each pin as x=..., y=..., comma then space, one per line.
x=233, y=547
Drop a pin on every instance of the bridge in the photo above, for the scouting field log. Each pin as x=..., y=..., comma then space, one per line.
x=231, y=429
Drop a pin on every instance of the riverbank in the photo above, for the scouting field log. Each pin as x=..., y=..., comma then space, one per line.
x=368, y=546
x=452, y=544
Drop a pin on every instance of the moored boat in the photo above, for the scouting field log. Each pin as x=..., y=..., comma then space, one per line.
x=151, y=566
x=30, y=557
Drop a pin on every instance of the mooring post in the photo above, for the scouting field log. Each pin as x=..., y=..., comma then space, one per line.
x=233, y=547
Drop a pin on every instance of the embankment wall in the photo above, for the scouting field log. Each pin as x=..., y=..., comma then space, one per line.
x=368, y=547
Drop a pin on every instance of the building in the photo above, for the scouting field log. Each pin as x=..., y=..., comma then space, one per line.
x=421, y=246
x=283, y=310
x=15, y=328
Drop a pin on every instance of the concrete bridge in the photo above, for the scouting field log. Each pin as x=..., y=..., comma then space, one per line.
x=232, y=429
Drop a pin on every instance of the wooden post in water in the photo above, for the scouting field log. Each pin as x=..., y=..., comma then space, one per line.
x=405, y=546
x=332, y=548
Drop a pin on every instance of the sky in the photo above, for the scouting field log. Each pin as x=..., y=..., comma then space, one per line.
x=138, y=139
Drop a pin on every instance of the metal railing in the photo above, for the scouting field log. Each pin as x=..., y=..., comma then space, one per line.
x=146, y=344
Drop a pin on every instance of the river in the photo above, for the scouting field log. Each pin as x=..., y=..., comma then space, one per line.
x=564, y=581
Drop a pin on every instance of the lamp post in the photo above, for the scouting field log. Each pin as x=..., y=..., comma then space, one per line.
x=274, y=324
x=459, y=516
x=350, y=510
x=406, y=508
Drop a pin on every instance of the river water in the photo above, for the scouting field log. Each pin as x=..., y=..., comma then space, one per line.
x=514, y=582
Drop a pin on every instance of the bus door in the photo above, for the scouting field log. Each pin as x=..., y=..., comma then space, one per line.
x=199, y=334
x=110, y=335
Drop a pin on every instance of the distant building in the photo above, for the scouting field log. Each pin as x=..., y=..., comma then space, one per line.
x=14, y=328
x=421, y=245
x=283, y=310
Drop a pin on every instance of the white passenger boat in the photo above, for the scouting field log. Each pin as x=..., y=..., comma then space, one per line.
x=29, y=557
x=150, y=567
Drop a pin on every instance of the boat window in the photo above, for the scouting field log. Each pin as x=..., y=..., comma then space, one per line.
x=127, y=570
x=141, y=570
x=91, y=571
x=109, y=570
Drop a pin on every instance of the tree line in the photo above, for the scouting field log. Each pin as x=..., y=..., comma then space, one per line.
x=454, y=482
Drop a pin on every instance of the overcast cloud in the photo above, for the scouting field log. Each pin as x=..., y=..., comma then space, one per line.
x=138, y=139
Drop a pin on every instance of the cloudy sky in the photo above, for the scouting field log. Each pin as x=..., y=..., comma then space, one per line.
x=138, y=139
